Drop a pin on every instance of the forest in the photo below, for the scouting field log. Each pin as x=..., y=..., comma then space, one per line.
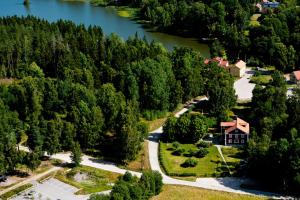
x=273, y=153
x=274, y=40
x=64, y=85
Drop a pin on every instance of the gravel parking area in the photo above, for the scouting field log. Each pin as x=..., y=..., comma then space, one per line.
x=51, y=189
x=243, y=87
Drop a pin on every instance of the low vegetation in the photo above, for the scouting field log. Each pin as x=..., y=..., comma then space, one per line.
x=211, y=165
x=261, y=79
x=88, y=180
x=13, y=192
x=233, y=157
x=142, y=161
x=175, y=192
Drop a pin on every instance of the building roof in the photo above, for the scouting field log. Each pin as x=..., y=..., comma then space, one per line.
x=221, y=62
x=236, y=124
x=297, y=75
x=240, y=64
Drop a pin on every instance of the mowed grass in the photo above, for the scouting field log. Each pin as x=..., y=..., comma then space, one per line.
x=232, y=156
x=209, y=166
x=175, y=192
x=97, y=180
x=142, y=161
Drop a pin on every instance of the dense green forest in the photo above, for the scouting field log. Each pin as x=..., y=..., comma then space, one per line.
x=274, y=40
x=274, y=148
x=62, y=84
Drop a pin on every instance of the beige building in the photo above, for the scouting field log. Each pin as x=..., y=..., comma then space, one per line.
x=238, y=69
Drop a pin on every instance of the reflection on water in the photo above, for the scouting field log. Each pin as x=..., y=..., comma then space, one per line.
x=84, y=13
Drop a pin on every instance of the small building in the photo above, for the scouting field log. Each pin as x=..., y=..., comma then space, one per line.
x=235, y=132
x=295, y=77
x=238, y=69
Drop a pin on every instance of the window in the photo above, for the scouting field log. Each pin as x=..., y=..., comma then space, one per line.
x=229, y=141
x=242, y=141
x=236, y=141
x=230, y=136
x=242, y=136
x=236, y=130
x=236, y=136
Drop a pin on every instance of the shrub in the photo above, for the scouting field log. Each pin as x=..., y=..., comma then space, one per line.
x=203, y=144
x=202, y=152
x=190, y=153
x=175, y=145
x=190, y=162
x=178, y=152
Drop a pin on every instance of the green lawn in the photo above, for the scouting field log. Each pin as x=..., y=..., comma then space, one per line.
x=209, y=166
x=261, y=79
x=97, y=180
x=232, y=156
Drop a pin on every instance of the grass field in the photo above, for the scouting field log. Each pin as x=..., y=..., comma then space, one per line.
x=174, y=192
x=209, y=166
x=95, y=180
x=142, y=161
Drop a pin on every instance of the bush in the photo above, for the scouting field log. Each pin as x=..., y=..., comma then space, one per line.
x=203, y=144
x=190, y=162
x=190, y=153
x=202, y=152
x=175, y=145
x=178, y=152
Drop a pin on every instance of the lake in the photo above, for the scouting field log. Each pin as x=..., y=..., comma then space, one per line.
x=106, y=18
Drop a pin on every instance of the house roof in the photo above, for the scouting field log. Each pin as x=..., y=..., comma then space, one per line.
x=236, y=124
x=221, y=62
x=297, y=75
x=240, y=64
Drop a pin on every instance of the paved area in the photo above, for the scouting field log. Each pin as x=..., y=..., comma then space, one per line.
x=243, y=87
x=51, y=189
x=29, y=180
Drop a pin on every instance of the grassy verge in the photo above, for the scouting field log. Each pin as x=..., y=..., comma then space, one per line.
x=175, y=192
x=261, y=79
x=15, y=191
x=209, y=166
x=95, y=180
x=142, y=162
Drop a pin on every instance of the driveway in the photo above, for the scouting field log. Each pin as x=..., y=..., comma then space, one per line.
x=243, y=87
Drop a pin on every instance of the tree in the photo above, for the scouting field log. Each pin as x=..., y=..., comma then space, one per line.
x=33, y=160
x=76, y=154
x=128, y=137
